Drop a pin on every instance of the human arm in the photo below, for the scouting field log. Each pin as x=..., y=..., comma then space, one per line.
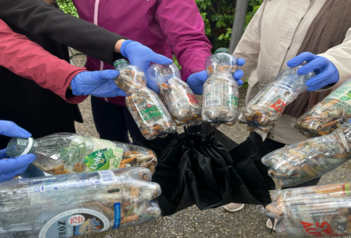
x=10, y=167
x=29, y=60
x=40, y=18
x=182, y=23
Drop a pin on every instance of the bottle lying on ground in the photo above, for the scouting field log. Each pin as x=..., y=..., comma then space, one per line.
x=64, y=153
x=146, y=108
x=316, y=211
x=303, y=161
x=176, y=95
x=327, y=115
x=77, y=204
x=220, y=94
x=264, y=110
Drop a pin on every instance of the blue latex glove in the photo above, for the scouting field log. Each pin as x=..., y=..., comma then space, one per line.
x=96, y=83
x=142, y=56
x=196, y=81
x=12, y=167
x=325, y=70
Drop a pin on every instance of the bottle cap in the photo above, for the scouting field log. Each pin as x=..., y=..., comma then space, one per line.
x=120, y=61
x=225, y=50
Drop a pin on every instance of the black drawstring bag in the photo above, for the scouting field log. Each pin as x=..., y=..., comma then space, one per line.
x=194, y=168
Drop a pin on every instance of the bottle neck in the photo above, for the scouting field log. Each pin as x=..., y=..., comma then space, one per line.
x=21, y=146
x=120, y=64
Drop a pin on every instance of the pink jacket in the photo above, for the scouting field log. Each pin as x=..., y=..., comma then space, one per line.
x=29, y=60
x=166, y=26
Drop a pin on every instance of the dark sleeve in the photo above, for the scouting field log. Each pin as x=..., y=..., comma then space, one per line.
x=40, y=18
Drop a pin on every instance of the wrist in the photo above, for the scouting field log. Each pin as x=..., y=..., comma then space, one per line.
x=118, y=45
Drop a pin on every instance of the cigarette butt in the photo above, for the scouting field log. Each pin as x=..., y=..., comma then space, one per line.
x=274, y=210
x=121, y=166
x=129, y=219
x=332, y=123
x=129, y=160
x=329, y=189
x=152, y=168
x=78, y=167
x=134, y=191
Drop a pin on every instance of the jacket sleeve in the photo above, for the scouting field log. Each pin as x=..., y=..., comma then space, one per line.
x=29, y=60
x=340, y=56
x=38, y=17
x=248, y=47
x=182, y=23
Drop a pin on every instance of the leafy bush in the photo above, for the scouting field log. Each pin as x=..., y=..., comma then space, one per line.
x=68, y=7
x=218, y=16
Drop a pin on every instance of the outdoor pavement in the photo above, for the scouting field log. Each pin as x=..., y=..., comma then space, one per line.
x=192, y=222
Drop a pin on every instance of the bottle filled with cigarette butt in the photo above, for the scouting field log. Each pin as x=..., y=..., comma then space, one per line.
x=176, y=95
x=147, y=110
x=64, y=153
x=327, y=115
x=303, y=161
x=220, y=92
x=77, y=204
x=264, y=110
x=316, y=211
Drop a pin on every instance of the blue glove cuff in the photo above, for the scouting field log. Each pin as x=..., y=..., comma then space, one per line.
x=123, y=47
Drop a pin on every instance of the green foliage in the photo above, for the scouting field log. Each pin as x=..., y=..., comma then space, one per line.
x=218, y=16
x=68, y=7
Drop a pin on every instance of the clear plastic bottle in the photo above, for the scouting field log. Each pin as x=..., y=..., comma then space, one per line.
x=220, y=94
x=267, y=106
x=146, y=108
x=313, y=211
x=176, y=95
x=327, y=115
x=303, y=161
x=64, y=153
x=77, y=204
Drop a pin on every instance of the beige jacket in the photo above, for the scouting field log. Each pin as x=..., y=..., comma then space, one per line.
x=273, y=37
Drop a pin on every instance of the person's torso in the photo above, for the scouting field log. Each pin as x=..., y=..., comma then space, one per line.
x=283, y=28
x=132, y=19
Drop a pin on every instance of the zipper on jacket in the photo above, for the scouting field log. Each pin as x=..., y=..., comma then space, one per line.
x=96, y=17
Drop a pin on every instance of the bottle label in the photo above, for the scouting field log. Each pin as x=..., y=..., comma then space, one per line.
x=342, y=93
x=75, y=222
x=152, y=113
x=105, y=156
x=220, y=94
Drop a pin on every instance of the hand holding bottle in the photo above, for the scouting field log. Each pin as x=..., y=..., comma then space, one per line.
x=10, y=167
x=196, y=81
x=325, y=70
x=96, y=83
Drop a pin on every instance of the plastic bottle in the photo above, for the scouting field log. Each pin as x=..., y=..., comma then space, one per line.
x=146, y=108
x=176, y=95
x=267, y=106
x=303, y=161
x=77, y=204
x=64, y=153
x=327, y=115
x=314, y=211
x=220, y=94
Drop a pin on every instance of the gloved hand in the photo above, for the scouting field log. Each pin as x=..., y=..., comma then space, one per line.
x=11, y=167
x=96, y=83
x=142, y=56
x=196, y=81
x=325, y=70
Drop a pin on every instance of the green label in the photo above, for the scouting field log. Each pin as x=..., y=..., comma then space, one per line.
x=342, y=93
x=152, y=113
x=232, y=100
x=105, y=156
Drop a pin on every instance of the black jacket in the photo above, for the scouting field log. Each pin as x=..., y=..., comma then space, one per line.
x=22, y=101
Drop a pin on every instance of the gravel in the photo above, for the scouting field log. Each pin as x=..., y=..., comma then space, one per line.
x=192, y=222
